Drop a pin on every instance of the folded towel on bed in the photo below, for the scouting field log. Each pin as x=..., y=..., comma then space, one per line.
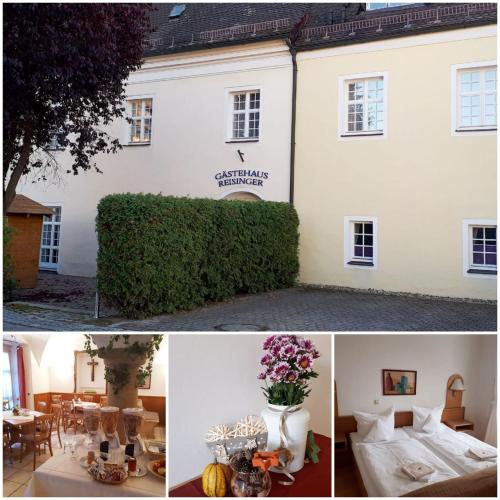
x=417, y=471
x=482, y=454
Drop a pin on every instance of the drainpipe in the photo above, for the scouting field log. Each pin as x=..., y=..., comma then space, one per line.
x=293, y=53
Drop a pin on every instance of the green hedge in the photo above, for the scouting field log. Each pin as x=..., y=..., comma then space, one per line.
x=159, y=254
x=9, y=277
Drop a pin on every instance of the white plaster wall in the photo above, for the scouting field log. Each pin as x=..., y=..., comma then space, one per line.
x=159, y=373
x=190, y=116
x=213, y=380
x=360, y=359
x=416, y=180
x=484, y=377
x=37, y=377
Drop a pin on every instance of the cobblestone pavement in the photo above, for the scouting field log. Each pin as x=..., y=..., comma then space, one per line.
x=298, y=309
x=23, y=317
x=75, y=292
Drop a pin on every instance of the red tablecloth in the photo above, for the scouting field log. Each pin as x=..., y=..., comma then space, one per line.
x=314, y=480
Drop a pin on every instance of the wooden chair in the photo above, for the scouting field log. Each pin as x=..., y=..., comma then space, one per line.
x=57, y=411
x=42, y=435
x=13, y=434
x=41, y=406
x=103, y=400
x=70, y=418
x=88, y=399
x=6, y=441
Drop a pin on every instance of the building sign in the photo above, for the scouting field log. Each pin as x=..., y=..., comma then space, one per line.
x=241, y=177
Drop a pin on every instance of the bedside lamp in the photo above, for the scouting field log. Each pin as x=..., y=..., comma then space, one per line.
x=457, y=385
x=454, y=390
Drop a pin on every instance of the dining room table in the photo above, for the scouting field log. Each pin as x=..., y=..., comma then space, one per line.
x=63, y=476
x=81, y=405
x=313, y=480
x=25, y=417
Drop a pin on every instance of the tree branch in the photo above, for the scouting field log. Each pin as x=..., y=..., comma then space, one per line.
x=9, y=191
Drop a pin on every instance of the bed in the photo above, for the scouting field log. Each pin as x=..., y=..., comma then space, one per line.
x=453, y=448
x=375, y=460
x=455, y=471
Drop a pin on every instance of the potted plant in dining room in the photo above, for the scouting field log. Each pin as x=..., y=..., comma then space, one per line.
x=287, y=369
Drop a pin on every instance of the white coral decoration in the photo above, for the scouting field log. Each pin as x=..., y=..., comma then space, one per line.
x=251, y=425
x=219, y=433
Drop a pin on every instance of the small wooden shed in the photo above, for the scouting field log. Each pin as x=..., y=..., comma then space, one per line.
x=25, y=217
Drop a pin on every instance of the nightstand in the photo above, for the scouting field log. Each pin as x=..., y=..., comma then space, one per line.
x=342, y=451
x=460, y=425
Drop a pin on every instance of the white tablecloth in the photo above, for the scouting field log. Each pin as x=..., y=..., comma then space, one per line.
x=62, y=476
x=84, y=404
x=9, y=417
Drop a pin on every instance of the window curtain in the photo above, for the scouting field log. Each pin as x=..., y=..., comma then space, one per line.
x=21, y=378
x=491, y=430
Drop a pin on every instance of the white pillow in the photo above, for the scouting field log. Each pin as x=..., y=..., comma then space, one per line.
x=365, y=421
x=381, y=430
x=427, y=419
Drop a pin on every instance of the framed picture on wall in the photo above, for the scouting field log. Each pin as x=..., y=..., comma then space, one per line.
x=399, y=382
x=146, y=384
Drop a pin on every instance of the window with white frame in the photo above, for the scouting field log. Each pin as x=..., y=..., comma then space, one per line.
x=482, y=249
x=51, y=232
x=141, y=116
x=384, y=5
x=360, y=241
x=476, y=98
x=364, y=106
x=245, y=115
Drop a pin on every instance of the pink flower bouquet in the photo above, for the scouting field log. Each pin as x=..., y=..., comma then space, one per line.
x=287, y=365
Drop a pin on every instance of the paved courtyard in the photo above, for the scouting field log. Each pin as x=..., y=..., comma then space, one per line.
x=67, y=303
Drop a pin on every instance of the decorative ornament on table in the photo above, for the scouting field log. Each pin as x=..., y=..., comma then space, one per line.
x=215, y=479
x=250, y=474
x=225, y=440
x=312, y=449
x=219, y=432
x=251, y=425
x=287, y=366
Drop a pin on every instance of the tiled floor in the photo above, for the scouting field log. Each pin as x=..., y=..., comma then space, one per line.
x=16, y=475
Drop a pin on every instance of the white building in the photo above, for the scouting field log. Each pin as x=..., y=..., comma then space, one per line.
x=206, y=123
x=214, y=109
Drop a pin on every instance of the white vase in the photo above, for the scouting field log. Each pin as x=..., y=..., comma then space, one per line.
x=296, y=428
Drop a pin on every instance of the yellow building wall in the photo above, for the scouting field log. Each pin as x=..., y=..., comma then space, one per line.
x=420, y=181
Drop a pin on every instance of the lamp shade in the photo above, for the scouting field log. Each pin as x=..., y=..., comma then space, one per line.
x=457, y=385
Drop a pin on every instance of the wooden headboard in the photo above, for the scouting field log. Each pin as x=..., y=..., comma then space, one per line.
x=347, y=424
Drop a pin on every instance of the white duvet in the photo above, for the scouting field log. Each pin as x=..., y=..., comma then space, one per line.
x=454, y=447
x=385, y=459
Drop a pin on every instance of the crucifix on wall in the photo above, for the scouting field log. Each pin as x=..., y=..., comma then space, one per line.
x=93, y=364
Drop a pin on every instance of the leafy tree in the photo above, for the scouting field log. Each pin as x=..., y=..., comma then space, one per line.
x=65, y=67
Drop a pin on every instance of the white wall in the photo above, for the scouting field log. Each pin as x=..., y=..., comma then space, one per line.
x=213, y=380
x=360, y=359
x=188, y=147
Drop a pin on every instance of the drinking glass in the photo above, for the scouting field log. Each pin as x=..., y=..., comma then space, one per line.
x=69, y=441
